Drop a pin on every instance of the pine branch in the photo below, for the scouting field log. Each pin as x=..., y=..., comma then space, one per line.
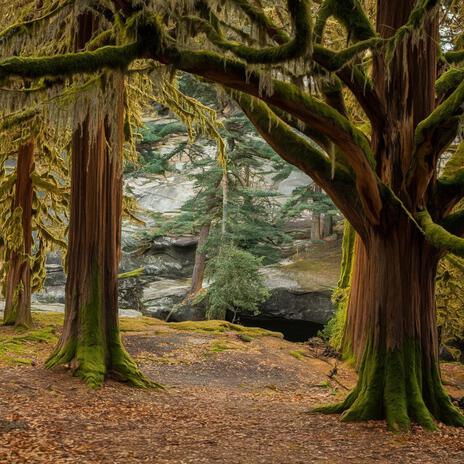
x=296, y=150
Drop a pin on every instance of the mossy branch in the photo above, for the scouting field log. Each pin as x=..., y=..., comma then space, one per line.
x=111, y=57
x=299, y=46
x=260, y=19
x=350, y=14
x=450, y=185
x=434, y=133
x=449, y=81
x=438, y=236
x=456, y=56
x=337, y=182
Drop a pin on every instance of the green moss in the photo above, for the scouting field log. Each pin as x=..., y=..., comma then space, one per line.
x=297, y=354
x=396, y=386
x=245, y=338
x=299, y=46
x=20, y=346
x=214, y=326
x=438, y=236
x=134, y=273
x=97, y=347
x=112, y=57
x=219, y=346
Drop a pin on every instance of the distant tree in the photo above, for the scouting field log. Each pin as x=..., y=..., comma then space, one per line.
x=241, y=213
x=236, y=283
x=34, y=200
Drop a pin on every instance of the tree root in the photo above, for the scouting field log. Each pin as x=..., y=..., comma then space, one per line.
x=395, y=387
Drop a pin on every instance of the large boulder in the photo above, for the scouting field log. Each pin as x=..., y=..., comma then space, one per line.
x=164, y=299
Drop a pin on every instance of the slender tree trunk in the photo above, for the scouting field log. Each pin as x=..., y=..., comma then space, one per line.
x=200, y=261
x=327, y=225
x=91, y=342
x=18, y=281
x=315, y=226
x=225, y=202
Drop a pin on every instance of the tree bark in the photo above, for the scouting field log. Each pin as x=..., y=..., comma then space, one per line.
x=391, y=329
x=391, y=323
x=327, y=225
x=91, y=341
x=200, y=261
x=315, y=226
x=18, y=281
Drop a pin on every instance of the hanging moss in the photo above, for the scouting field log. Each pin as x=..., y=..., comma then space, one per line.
x=299, y=46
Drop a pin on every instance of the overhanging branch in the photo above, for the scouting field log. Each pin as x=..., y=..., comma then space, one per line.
x=298, y=46
x=301, y=153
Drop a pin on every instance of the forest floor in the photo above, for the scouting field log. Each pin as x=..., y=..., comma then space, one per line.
x=233, y=395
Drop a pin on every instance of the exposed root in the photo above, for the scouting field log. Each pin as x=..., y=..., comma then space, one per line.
x=394, y=386
x=124, y=369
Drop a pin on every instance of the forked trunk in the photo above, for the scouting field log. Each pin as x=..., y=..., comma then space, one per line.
x=91, y=341
x=391, y=330
x=200, y=261
x=18, y=280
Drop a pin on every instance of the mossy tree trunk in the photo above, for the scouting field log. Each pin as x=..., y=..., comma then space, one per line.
x=392, y=331
x=18, y=279
x=391, y=327
x=90, y=342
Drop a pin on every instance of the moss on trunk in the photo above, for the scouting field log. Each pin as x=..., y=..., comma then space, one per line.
x=400, y=386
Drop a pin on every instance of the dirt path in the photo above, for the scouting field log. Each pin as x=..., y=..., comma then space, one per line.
x=228, y=401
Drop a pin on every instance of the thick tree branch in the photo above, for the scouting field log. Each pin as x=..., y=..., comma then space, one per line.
x=350, y=14
x=449, y=82
x=300, y=45
x=259, y=18
x=433, y=135
x=456, y=56
x=438, y=236
x=454, y=223
x=302, y=154
x=450, y=185
x=112, y=57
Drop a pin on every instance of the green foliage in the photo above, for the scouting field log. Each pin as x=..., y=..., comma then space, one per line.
x=450, y=303
x=308, y=198
x=253, y=222
x=236, y=284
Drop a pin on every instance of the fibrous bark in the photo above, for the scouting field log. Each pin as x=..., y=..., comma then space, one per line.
x=391, y=330
x=18, y=280
x=91, y=342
